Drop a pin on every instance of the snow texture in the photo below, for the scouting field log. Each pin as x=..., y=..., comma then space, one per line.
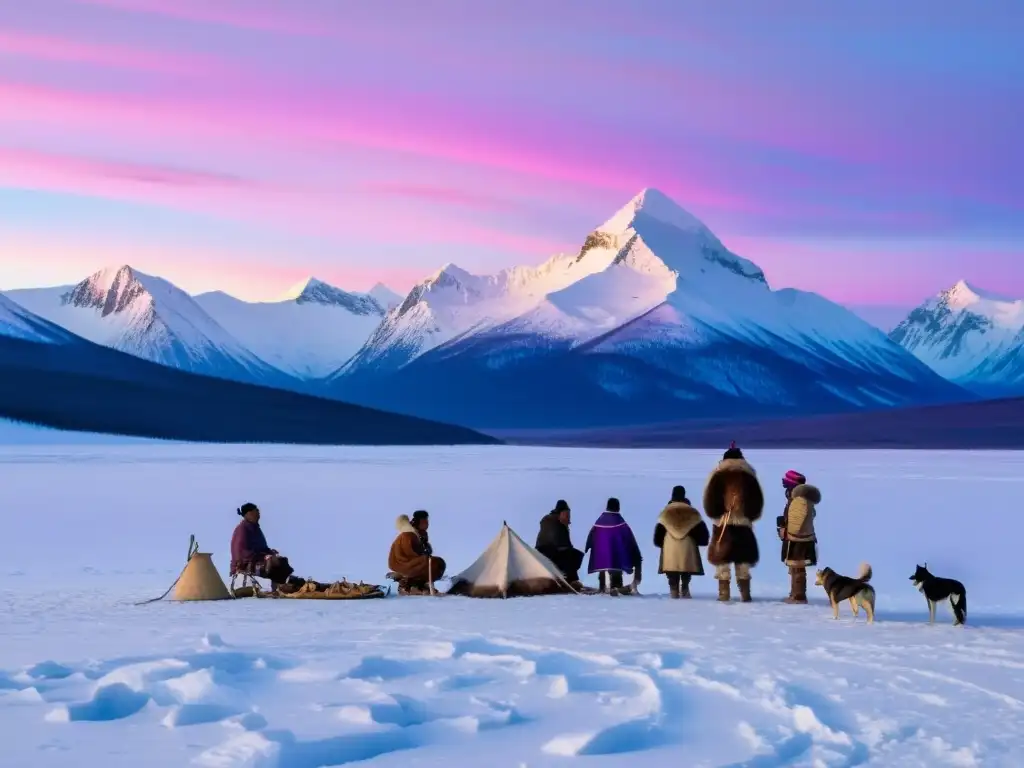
x=87, y=678
x=309, y=333
x=147, y=317
x=968, y=335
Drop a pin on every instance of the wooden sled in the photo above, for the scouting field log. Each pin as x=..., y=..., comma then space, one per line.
x=314, y=590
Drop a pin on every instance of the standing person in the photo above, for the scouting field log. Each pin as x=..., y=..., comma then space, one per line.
x=411, y=557
x=251, y=554
x=554, y=542
x=613, y=550
x=678, y=534
x=734, y=500
x=796, y=529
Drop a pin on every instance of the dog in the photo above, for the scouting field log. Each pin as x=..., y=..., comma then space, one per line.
x=936, y=589
x=857, y=591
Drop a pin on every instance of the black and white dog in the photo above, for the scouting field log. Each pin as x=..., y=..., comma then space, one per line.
x=936, y=589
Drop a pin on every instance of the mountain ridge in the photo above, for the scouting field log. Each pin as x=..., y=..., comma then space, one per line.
x=653, y=283
x=968, y=335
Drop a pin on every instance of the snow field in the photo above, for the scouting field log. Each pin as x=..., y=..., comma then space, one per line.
x=88, y=678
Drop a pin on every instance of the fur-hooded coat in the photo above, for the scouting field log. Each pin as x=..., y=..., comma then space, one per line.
x=799, y=540
x=734, y=500
x=410, y=554
x=679, y=533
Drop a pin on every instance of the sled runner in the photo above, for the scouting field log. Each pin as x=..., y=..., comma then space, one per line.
x=338, y=590
x=411, y=591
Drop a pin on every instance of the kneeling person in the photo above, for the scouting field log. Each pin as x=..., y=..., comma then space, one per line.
x=411, y=557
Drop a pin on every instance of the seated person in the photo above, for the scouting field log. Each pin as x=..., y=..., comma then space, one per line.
x=411, y=557
x=554, y=542
x=251, y=554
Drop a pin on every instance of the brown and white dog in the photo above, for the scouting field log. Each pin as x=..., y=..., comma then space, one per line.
x=840, y=588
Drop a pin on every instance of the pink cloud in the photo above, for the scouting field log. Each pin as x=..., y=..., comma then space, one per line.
x=63, y=49
x=299, y=209
x=77, y=169
x=360, y=120
x=436, y=194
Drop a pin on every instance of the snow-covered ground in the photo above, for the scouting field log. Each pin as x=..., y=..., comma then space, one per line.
x=89, y=678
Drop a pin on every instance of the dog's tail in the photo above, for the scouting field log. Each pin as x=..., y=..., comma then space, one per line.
x=864, y=574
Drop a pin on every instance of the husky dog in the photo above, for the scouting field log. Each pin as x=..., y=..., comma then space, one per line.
x=857, y=591
x=936, y=589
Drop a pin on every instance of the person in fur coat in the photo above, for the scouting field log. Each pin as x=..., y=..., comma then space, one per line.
x=411, y=557
x=679, y=533
x=796, y=529
x=733, y=499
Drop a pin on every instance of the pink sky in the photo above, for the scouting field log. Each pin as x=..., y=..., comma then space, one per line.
x=246, y=145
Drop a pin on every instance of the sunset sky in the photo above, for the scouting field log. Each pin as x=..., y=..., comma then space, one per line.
x=870, y=151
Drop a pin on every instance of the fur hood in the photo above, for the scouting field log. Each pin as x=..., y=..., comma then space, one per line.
x=734, y=476
x=679, y=519
x=809, y=492
x=404, y=525
x=734, y=465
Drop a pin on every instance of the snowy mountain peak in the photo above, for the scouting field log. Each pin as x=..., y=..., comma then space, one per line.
x=671, y=235
x=111, y=290
x=656, y=205
x=384, y=296
x=964, y=295
x=971, y=336
x=313, y=291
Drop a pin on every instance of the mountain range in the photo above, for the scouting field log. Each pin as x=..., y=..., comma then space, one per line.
x=52, y=377
x=652, y=320
x=970, y=336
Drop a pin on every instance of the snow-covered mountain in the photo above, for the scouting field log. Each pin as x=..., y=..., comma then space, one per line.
x=309, y=333
x=384, y=296
x=150, y=318
x=653, y=315
x=970, y=336
x=18, y=323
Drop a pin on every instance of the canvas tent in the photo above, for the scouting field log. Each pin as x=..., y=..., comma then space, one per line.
x=510, y=567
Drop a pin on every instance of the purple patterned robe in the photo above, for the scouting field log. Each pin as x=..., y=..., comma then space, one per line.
x=612, y=545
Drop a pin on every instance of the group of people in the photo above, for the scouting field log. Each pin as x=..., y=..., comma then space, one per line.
x=733, y=500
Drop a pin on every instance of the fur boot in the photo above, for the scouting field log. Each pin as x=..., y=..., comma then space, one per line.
x=723, y=591
x=684, y=586
x=744, y=585
x=798, y=591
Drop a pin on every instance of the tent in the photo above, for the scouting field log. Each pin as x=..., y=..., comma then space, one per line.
x=200, y=580
x=510, y=567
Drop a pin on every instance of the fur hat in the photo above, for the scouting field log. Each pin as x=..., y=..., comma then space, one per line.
x=613, y=505
x=561, y=506
x=247, y=508
x=733, y=452
x=792, y=479
x=679, y=494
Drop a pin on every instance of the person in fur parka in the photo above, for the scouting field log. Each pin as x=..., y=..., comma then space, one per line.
x=411, y=557
x=796, y=529
x=679, y=534
x=733, y=499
